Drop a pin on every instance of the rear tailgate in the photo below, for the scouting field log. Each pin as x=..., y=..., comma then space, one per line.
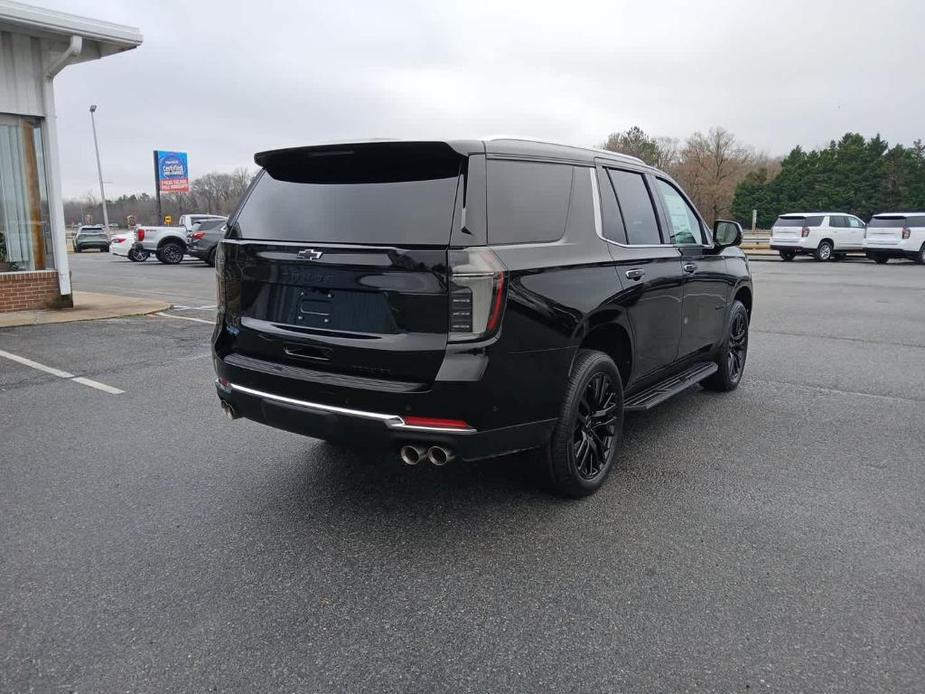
x=338, y=263
x=885, y=230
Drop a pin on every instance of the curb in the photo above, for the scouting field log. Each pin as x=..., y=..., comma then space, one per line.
x=88, y=306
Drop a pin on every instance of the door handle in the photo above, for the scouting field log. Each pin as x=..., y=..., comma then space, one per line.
x=635, y=274
x=689, y=267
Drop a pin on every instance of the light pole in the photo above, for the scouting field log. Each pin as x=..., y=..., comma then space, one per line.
x=99, y=169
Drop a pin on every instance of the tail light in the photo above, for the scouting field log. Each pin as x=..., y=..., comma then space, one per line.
x=805, y=232
x=478, y=286
x=140, y=234
x=197, y=235
x=434, y=423
x=907, y=232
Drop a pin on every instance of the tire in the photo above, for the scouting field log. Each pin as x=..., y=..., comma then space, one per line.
x=581, y=451
x=210, y=260
x=787, y=256
x=824, y=251
x=920, y=258
x=137, y=256
x=171, y=253
x=880, y=259
x=105, y=250
x=839, y=256
x=733, y=352
x=78, y=249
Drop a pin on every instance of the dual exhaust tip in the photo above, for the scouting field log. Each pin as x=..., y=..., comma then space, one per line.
x=435, y=455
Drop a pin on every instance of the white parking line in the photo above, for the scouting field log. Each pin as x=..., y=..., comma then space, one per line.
x=197, y=320
x=96, y=384
x=35, y=365
x=60, y=374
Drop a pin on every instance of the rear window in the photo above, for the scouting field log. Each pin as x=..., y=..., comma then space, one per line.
x=527, y=201
x=887, y=222
x=799, y=221
x=381, y=194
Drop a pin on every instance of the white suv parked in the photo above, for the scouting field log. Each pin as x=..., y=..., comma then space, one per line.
x=896, y=235
x=824, y=235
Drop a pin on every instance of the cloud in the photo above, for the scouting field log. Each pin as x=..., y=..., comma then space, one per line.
x=222, y=79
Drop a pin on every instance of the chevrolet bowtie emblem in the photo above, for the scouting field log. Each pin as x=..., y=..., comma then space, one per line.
x=310, y=254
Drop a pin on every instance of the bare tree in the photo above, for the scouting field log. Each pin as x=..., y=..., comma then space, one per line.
x=710, y=167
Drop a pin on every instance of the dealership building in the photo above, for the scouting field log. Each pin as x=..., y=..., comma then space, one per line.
x=35, y=45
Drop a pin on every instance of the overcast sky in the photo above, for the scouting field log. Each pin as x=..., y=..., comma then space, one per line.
x=222, y=79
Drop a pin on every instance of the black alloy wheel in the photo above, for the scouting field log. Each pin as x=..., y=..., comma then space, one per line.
x=732, y=354
x=595, y=426
x=582, y=449
x=738, y=345
x=170, y=253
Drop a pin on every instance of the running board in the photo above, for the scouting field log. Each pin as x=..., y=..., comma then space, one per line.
x=660, y=392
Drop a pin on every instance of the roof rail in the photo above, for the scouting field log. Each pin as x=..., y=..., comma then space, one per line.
x=523, y=138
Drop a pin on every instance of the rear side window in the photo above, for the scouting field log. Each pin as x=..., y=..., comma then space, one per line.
x=636, y=208
x=527, y=201
x=813, y=221
x=387, y=194
x=887, y=222
x=916, y=221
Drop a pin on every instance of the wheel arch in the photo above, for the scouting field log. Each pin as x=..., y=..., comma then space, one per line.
x=171, y=239
x=609, y=335
x=744, y=294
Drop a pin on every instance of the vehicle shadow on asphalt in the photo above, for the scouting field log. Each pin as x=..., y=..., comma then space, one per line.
x=378, y=485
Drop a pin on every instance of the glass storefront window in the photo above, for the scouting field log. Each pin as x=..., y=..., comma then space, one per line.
x=25, y=240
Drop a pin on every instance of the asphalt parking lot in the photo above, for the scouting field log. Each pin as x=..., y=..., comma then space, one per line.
x=767, y=539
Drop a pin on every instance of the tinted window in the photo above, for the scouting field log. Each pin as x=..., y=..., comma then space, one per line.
x=916, y=221
x=887, y=222
x=813, y=221
x=683, y=223
x=354, y=198
x=789, y=221
x=611, y=220
x=636, y=207
x=527, y=202
x=838, y=221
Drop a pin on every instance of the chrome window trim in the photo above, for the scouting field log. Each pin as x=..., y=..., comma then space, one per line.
x=392, y=421
x=599, y=223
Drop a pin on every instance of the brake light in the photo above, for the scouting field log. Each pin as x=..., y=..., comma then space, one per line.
x=435, y=423
x=805, y=232
x=477, y=294
x=907, y=232
x=140, y=234
x=197, y=235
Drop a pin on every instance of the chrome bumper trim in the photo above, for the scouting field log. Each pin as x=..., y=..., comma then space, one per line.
x=392, y=421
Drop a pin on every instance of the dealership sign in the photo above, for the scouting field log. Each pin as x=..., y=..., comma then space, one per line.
x=172, y=172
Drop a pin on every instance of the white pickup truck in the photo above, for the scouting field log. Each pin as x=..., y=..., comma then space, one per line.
x=168, y=243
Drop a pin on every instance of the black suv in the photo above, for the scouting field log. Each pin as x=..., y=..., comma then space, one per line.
x=472, y=298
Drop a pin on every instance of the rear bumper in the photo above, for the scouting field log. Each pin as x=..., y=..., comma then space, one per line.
x=795, y=247
x=894, y=249
x=197, y=252
x=375, y=429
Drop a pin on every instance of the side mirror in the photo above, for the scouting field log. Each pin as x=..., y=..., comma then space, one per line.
x=726, y=233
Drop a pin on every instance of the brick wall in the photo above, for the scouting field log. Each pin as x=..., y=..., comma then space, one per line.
x=20, y=291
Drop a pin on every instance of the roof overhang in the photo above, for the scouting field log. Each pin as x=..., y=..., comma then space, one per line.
x=99, y=38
